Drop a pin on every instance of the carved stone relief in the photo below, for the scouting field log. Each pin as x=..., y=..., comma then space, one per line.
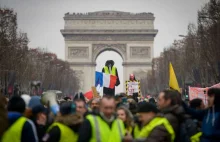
x=106, y=31
x=140, y=52
x=78, y=52
x=146, y=23
x=96, y=48
x=109, y=37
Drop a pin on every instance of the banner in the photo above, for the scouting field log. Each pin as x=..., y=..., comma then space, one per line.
x=196, y=92
x=132, y=87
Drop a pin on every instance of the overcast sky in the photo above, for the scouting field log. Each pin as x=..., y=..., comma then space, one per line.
x=43, y=19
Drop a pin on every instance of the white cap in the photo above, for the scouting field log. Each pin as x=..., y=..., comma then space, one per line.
x=26, y=99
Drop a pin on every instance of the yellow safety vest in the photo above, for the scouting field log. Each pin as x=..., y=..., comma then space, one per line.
x=113, y=71
x=101, y=132
x=13, y=134
x=196, y=137
x=137, y=131
x=129, y=129
x=146, y=130
x=66, y=134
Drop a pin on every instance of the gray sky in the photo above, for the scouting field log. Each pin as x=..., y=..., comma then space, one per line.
x=43, y=19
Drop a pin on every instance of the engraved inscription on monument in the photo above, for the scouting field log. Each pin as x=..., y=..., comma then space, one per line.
x=78, y=52
x=143, y=52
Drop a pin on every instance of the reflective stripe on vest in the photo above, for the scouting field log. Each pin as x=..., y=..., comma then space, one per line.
x=66, y=134
x=113, y=71
x=145, y=132
x=101, y=132
x=13, y=134
x=196, y=137
x=137, y=131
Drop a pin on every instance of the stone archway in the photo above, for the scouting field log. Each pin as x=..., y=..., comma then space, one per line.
x=88, y=35
x=110, y=54
x=99, y=48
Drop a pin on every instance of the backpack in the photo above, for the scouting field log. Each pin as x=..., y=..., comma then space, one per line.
x=188, y=128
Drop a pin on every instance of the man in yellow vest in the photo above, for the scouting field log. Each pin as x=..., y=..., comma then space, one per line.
x=155, y=128
x=66, y=125
x=109, y=68
x=103, y=127
x=20, y=128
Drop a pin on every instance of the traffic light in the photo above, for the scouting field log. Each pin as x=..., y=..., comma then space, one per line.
x=187, y=93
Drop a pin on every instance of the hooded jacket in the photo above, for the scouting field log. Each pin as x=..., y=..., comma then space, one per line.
x=73, y=121
x=175, y=115
x=210, y=122
x=29, y=133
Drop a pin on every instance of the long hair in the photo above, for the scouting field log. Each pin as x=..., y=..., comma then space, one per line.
x=129, y=116
x=173, y=95
x=216, y=93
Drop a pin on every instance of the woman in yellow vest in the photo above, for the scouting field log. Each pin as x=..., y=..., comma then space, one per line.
x=66, y=125
x=126, y=116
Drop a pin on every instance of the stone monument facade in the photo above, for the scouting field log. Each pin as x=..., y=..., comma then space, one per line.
x=88, y=35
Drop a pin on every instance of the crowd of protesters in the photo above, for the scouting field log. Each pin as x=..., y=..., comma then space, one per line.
x=112, y=119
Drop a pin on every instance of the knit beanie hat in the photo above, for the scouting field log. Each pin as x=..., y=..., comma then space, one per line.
x=147, y=107
x=67, y=108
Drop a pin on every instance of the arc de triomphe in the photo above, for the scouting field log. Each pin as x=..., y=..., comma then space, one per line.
x=88, y=35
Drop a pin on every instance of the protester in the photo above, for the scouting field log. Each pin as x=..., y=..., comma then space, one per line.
x=155, y=128
x=126, y=116
x=103, y=127
x=169, y=105
x=118, y=100
x=210, y=117
x=137, y=123
x=109, y=68
x=20, y=128
x=81, y=107
x=79, y=96
x=66, y=125
x=197, y=104
x=196, y=127
x=133, y=79
x=39, y=117
x=132, y=106
x=95, y=103
x=152, y=100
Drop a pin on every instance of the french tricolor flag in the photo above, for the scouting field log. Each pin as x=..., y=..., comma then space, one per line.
x=105, y=80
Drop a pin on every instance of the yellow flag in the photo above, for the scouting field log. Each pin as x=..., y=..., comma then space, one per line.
x=173, y=83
